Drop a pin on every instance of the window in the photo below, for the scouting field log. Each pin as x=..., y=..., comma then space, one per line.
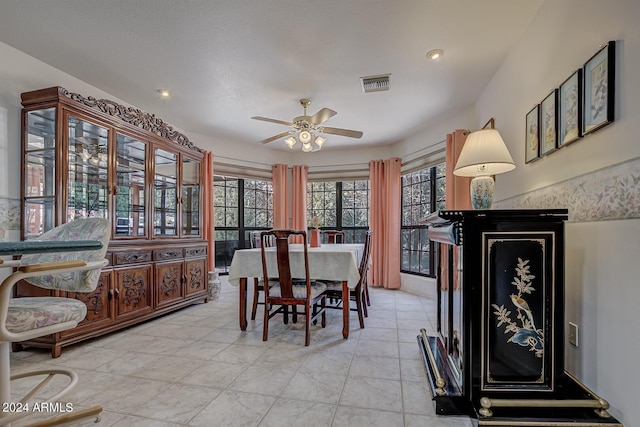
x=423, y=192
x=340, y=205
x=240, y=206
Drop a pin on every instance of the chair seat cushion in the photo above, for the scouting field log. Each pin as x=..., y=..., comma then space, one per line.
x=299, y=290
x=30, y=313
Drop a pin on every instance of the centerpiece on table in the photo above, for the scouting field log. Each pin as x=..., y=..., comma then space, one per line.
x=315, y=232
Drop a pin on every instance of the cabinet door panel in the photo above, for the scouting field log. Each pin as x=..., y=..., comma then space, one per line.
x=87, y=169
x=133, y=291
x=196, y=280
x=165, y=197
x=131, y=158
x=39, y=180
x=99, y=305
x=168, y=283
x=190, y=201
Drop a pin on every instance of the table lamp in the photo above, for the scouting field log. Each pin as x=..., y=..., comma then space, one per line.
x=484, y=154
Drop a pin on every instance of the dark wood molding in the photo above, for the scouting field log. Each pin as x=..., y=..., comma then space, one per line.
x=133, y=116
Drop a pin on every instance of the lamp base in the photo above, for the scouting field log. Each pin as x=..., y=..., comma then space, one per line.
x=482, y=188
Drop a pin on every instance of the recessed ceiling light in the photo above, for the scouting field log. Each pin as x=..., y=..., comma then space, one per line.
x=435, y=54
x=164, y=93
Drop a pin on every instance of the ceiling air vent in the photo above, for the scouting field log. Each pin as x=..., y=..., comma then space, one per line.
x=375, y=83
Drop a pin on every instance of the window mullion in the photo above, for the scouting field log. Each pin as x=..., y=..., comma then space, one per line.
x=339, y=205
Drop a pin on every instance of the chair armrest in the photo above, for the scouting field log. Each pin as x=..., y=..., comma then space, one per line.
x=9, y=263
x=52, y=266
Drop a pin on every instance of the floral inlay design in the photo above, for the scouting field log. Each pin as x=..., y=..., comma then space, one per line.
x=523, y=327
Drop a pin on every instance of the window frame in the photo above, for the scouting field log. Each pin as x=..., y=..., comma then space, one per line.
x=353, y=234
x=436, y=201
x=227, y=246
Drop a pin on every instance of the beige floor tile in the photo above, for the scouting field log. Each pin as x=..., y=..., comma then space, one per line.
x=315, y=386
x=375, y=367
x=372, y=393
x=214, y=374
x=195, y=367
x=178, y=403
x=351, y=417
x=290, y=412
x=231, y=408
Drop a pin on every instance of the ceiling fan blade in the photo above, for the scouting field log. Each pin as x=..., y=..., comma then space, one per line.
x=342, y=132
x=266, y=119
x=322, y=115
x=273, y=138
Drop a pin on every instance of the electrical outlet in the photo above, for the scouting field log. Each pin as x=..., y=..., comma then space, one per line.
x=573, y=334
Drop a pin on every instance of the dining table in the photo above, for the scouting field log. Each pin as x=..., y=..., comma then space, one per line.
x=332, y=262
x=42, y=246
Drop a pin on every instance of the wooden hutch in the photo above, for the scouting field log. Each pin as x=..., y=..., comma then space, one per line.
x=498, y=352
x=87, y=157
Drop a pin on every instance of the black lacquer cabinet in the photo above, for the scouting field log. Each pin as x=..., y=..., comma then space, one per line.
x=498, y=350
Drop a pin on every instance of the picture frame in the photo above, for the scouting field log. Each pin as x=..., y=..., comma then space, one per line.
x=532, y=135
x=598, y=89
x=549, y=123
x=570, y=109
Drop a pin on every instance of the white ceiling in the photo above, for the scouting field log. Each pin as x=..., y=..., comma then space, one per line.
x=228, y=60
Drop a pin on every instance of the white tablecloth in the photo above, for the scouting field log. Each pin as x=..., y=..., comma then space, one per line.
x=328, y=262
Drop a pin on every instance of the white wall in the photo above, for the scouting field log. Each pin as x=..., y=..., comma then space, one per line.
x=602, y=292
x=602, y=257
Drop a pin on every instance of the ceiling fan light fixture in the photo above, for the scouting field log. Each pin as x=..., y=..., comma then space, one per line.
x=306, y=147
x=320, y=141
x=290, y=142
x=305, y=136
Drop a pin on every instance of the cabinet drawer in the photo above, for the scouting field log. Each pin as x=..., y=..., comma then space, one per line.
x=137, y=257
x=165, y=254
x=193, y=252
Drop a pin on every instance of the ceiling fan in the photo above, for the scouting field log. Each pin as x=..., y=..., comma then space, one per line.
x=307, y=128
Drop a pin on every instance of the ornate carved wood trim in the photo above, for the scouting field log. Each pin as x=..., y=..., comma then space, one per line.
x=134, y=116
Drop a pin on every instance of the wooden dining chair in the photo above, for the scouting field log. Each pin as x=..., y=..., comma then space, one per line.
x=255, y=241
x=357, y=294
x=287, y=291
x=333, y=236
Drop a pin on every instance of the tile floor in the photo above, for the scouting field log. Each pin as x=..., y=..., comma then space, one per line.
x=196, y=368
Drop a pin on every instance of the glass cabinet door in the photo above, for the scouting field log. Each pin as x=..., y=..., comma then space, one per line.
x=88, y=164
x=130, y=185
x=190, y=197
x=165, y=195
x=40, y=172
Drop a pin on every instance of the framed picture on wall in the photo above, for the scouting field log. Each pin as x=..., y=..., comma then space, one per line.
x=532, y=135
x=598, y=89
x=570, y=109
x=548, y=123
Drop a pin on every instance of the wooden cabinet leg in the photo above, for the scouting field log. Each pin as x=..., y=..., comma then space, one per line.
x=56, y=351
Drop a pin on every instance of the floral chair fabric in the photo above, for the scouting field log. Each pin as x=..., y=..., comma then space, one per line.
x=77, y=281
x=28, y=313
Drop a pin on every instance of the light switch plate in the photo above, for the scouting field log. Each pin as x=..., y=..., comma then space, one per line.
x=573, y=334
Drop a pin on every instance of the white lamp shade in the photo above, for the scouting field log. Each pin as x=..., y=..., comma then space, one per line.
x=484, y=153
